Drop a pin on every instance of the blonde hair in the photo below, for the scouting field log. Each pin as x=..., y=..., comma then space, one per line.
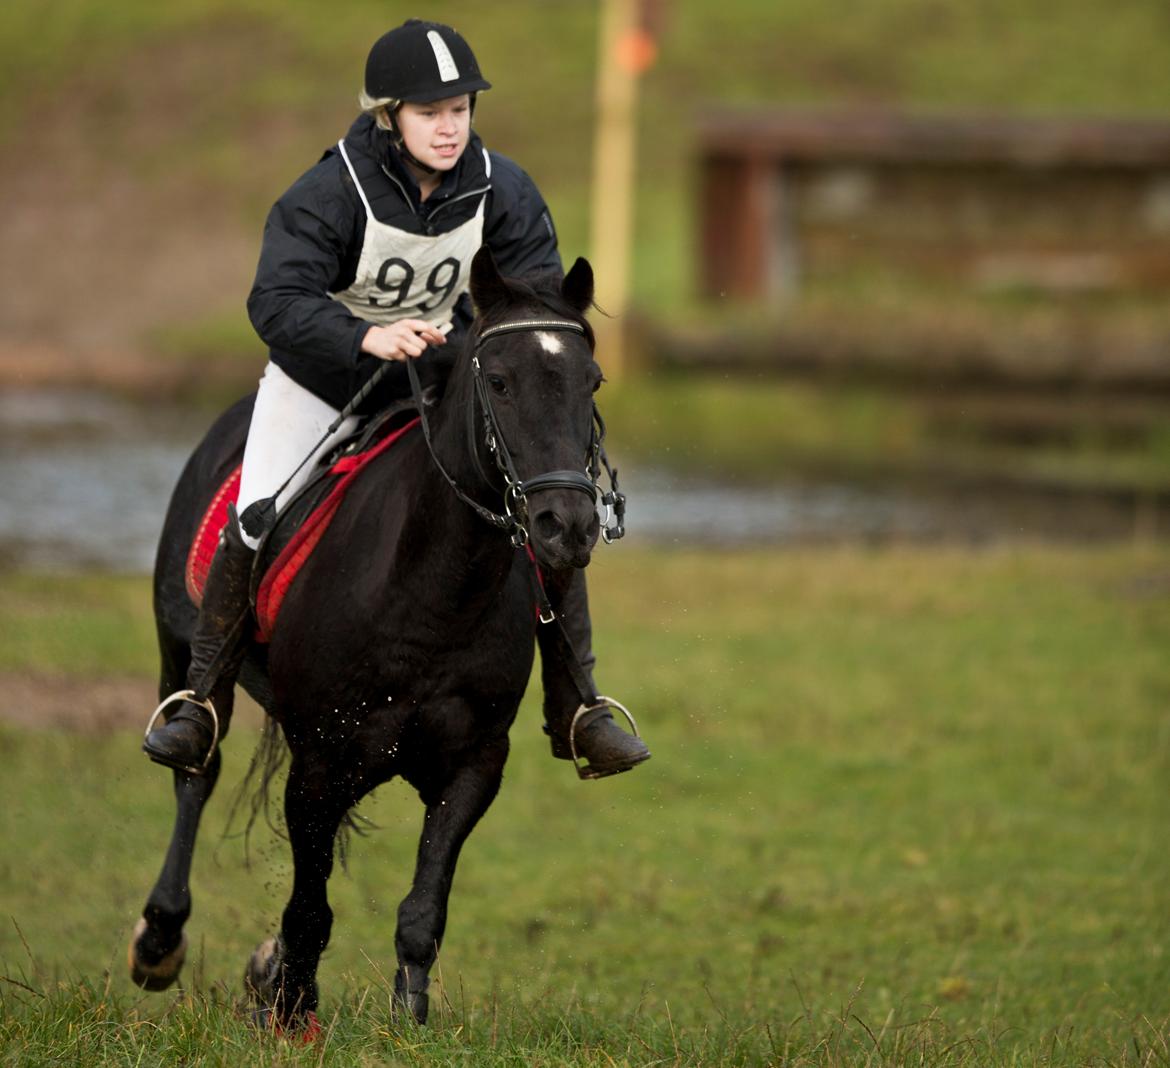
x=376, y=108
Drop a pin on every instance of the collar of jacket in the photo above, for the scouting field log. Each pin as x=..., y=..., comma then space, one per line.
x=368, y=138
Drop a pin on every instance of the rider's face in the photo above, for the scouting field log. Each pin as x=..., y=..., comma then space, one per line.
x=436, y=133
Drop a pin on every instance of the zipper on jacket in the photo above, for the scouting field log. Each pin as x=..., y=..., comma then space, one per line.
x=446, y=203
x=462, y=196
x=401, y=188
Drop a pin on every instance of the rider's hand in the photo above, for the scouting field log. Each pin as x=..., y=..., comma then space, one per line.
x=402, y=340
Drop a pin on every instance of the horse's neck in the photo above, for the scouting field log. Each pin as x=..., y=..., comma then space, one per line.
x=449, y=543
x=456, y=430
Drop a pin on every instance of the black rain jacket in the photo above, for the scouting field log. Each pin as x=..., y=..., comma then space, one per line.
x=313, y=239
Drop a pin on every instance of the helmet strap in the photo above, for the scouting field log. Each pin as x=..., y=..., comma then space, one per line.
x=409, y=156
x=399, y=143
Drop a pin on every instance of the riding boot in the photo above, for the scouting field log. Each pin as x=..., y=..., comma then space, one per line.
x=188, y=737
x=604, y=746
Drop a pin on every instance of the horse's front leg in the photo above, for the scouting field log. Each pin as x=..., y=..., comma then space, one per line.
x=282, y=975
x=422, y=917
x=158, y=945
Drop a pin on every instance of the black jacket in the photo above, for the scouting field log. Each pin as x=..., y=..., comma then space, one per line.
x=313, y=238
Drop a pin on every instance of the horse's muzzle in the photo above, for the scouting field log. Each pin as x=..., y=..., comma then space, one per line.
x=564, y=529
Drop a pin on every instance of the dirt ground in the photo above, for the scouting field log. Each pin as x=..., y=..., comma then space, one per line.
x=89, y=706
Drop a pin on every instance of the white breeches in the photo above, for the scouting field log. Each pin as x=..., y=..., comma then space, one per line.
x=287, y=422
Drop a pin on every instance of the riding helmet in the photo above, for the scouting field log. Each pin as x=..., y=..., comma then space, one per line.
x=422, y=61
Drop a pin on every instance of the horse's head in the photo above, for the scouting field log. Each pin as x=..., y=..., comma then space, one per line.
x=533, y=358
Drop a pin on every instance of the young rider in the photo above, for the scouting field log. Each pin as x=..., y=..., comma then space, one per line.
x=366, y=259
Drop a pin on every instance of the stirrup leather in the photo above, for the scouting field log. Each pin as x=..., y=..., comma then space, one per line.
x=206, y=704
x=587, y=771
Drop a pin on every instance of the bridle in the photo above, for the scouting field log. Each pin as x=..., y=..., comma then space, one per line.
x=514, y=519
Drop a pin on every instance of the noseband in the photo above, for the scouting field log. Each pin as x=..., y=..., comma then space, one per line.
x=514, y=519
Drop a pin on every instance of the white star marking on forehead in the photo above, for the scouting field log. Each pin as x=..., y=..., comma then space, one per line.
x=550, y=342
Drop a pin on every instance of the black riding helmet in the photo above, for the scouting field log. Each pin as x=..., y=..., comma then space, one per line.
x=419, y=61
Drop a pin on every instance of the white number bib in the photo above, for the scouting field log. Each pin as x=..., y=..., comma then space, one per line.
x=409, y=276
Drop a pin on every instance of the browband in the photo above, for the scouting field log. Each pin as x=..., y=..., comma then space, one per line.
x=522, y=325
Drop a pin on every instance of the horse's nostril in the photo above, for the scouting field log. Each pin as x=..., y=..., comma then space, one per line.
x=549, y=526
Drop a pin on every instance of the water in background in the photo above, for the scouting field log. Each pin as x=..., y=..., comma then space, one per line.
x=85, y=480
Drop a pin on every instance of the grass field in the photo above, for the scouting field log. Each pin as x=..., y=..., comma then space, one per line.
x=753, y=427
x=905, y=807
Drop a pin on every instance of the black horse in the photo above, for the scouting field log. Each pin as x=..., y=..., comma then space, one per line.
x=406, y=641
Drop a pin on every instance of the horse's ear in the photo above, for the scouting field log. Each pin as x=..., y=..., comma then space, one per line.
x=488, y=288
x=577, y=288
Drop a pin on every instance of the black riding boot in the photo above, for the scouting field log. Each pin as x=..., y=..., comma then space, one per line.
x=604, y=746
x=185, y=741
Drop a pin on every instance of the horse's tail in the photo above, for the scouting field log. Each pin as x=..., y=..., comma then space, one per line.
x=255, y=790
x=255, y=793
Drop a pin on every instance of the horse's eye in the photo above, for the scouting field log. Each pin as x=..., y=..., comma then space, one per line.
x=597, y=384
x=498, y=385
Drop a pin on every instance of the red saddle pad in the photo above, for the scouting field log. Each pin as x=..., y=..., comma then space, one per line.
x=288, y=563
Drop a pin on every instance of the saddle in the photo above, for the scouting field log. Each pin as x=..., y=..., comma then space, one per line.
x=301, y=521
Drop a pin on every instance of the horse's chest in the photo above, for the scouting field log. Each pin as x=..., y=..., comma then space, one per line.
x=413, y=651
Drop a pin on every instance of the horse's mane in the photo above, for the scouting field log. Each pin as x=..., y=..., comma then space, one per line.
x=542, y=288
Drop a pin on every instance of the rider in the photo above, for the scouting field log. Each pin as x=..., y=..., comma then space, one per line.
x=366, y=259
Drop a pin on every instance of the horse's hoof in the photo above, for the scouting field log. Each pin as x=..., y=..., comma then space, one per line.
x=260, y=974
x=158, y=976
x=417, y=1005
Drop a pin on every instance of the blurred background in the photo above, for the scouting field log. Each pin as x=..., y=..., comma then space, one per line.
x=894, y=272
x=889, y=391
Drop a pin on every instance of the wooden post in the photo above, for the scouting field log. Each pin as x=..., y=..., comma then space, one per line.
x=611, y=214
x=739, y=225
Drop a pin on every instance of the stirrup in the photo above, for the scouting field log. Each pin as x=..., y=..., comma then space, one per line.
x=587, y=771
x=203, y=702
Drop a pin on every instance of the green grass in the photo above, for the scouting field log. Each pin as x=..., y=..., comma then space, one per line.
x=905, y=807
x=76, y=625
x=755, y=427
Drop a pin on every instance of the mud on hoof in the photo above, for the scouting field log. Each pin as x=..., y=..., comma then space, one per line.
x=160, y=973
x=264, y=985
x=262, y=974
x=304, y=1030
